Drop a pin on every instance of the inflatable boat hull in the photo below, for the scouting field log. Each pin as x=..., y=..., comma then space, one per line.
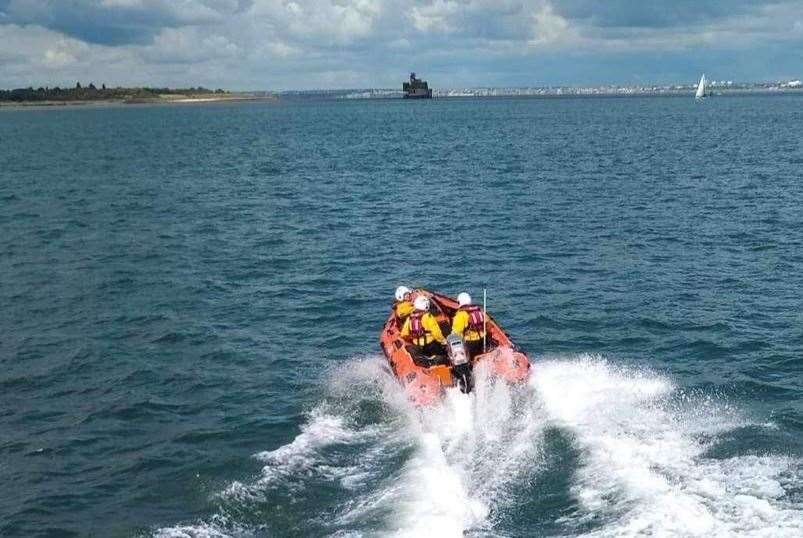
x=425, y=383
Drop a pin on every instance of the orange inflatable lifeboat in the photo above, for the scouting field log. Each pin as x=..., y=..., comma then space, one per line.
x=425, y=378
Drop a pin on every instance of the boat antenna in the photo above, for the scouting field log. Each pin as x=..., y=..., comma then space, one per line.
x=484, y=318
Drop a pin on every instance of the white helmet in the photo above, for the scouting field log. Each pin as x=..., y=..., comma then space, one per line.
x=401, y=291
x=421, y=303
x=464, y=299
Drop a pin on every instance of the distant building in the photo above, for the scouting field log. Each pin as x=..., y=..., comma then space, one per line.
x=416, y=88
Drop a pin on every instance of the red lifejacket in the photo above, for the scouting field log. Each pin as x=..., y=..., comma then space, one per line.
x=417, y=329
x=476, y=320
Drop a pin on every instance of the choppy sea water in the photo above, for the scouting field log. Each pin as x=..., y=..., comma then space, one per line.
x=191, y=300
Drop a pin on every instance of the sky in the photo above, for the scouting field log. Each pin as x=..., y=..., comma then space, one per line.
x=336, y=44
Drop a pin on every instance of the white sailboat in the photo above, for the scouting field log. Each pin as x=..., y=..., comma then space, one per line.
x=700, y=88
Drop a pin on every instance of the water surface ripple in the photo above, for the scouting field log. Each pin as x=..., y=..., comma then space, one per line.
x=191, y=298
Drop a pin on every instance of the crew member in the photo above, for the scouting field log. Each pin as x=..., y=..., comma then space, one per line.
x=422, y=329
x=469, y=323
x=402, y=307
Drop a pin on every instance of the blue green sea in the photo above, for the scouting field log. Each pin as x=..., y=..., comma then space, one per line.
x=191, y=299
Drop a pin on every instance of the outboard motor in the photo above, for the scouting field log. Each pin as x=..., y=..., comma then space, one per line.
x=461, y=366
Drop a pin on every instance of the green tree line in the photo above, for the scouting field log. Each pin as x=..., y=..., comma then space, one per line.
x=92, y=93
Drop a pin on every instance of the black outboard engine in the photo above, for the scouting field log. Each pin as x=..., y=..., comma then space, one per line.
x=461, y=366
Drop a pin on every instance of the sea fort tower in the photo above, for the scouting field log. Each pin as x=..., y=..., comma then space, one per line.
x=416, y=88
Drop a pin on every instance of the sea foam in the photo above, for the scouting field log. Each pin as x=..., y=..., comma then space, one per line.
x=642, y=467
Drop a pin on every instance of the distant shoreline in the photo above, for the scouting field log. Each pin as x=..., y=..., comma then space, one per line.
x=371, y=95
x=159, y=101
x=543, y=92
x=546, y=93
x=614, y=94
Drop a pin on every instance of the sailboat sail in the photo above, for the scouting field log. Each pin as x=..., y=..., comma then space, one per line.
x=701, y=88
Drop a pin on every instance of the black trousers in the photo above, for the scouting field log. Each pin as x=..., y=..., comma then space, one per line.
x=433, y=348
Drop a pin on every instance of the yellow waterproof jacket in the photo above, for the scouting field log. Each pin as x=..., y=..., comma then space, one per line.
x=402, y=309
x=459, y=324
x=430, y=325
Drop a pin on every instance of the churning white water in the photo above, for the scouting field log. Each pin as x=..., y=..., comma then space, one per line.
x=644, y=459
x=642, y=468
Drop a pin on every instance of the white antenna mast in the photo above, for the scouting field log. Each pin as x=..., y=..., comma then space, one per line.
x=484, y=318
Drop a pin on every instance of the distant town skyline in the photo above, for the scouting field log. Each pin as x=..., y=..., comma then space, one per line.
x=334, y=44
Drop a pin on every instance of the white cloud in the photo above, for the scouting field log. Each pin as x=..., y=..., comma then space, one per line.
x=435, y=17
x=550, y=27
x=55, y=58
x=347, y=43
x=188, y=45
x=316, y=23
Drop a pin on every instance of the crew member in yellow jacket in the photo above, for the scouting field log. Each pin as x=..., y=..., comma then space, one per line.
x=402, y=307
x=422, y=329
x=469, y=323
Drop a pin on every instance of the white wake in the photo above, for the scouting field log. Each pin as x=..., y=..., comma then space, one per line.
x=642, y=467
